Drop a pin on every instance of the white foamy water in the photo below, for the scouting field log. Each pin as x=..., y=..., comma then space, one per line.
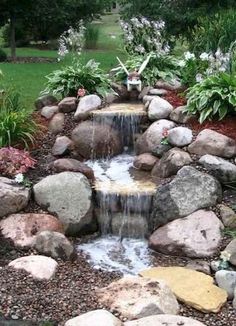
x=108, y=253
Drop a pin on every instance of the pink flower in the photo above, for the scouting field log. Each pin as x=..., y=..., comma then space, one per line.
x=165, y=132
x=81, y=92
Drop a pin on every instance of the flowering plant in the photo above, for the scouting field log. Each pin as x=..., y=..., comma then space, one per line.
x=165, y=133
x=81, y=92
x=21, y=179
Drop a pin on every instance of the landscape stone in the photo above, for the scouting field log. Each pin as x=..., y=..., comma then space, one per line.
x=45, y=100
x=61, y=146
x=95, y=318
x=178, y=115
x=86, y=104
x=145, y=161
x=234, y=301
x=68, y=104
x=173, y=85
x=228, y=216
x=133, y=226
x=227, y=281
x=200, y=266
x=180, y=136
x=159, y=109
x=164, y=320
x=193, y=288
x=157, y=91
x=144, y=92
x=49, y=111
x=56, y=124
x=231, y=249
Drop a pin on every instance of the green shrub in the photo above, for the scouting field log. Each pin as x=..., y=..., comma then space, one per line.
x=69, y=79
x=3, y=55
x=91, y=36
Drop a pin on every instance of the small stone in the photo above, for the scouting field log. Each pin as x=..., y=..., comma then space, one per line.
x=228, y=216
x=231, y=249
x=178, y=115
x=56, y=125
x=227, y=281
x=61, y=146
x=45, y=101
x=172, y=85
x=144, y=92
x=180, y=136
x=68, y=104
x=200, y=266
x=158, y=91
x=145, y=161
x=86, y=104
x=49, y=111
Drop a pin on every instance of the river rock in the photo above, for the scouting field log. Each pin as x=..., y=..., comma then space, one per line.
x=150, y=141
x=61, y=146
x=70, y=164
x=211, y=142
x=45, y=100
x=170, y=163
x=92, y=139
x=179, y=115
x=86, y=104
x=68, y=104
x=228, y=216
x=23, y=228
x=173, y=85
x=145, y=161
x=13, y=197
x=223, y=170
x=97, y=318
x=144, y=92
x=227, y=281
x=231, y=249
x=180, y=136
x=200, y=266
x=193, y=288
x=137, y=297
x=147, y=99
x=55, y=245
x=69, y=195
x=164, y=320
x=49, y=111
x=39, y=267
x=189, y=191
x=157, y=91
x=159, y=109
x=56, y=125
x=197, y=235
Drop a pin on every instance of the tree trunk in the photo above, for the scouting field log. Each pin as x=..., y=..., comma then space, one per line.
x=13, y=37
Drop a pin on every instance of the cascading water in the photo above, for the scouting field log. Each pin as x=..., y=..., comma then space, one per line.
x=123, y=199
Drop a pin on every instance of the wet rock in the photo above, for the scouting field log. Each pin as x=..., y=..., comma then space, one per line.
x=56, y=125
x=228, y=216
x=45, y=101
x=178, y=115
x=223, y=170
x=197, y=235
x=61, y=146
x=87, y=104
x=133, y=225
x=200, y=266
x=96, y=140
x=213, y=143
x=69, y=195
x=68, y=104
x=159, y=109
x=96, y=317
x=195, y=289
x=227, y=281
x=138, y=297
x=145, y=161
x=164, y=320
x=13, y=197
x=180, y=136
x=49, y=111
x=39, y=267
x=23, y=228
x=171, y=162
x=188, y=192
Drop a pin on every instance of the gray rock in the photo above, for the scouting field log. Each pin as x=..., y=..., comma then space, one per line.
x=133, y=225
x=97, y=318
x=148, y=99
x=200, y=266
x=189, y=191
x=180, y=136
x=197, y=236
x=178, y=115
x=228, y=216
x=68, y=104
x=173, y=85
x=144, y=92
x=211, y=142
x=145, y=161
x=61, y=146
x=87, y=104
x=231, y=249
x=234, y=301
x=171, y=162
x=223, y=170
x=67, y=194
x=164, y=320
x=56, y=125
x=159, y=109
x=49, y=111
x=157, y=91
x=45, y=101
x=227, y=281
x=111, y=98
x=13, y=197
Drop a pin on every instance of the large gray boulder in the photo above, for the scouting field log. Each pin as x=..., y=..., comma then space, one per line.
x=56, y=124
x=159, y=109
x=179, y=115
x=197, y=236
x=211, y=142
x=61, y=146
x=69, y=195
x=180, y=136
x=87, y=104
x=188, y=192
x=227, y=281
x=13, y=197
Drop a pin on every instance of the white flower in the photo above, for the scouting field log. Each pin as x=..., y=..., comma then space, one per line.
x=19, y=178
x=181, y=63
x=188, y=55
x=204, y=56
x=225, y=256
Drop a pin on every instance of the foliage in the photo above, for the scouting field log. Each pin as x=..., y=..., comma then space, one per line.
x=16, y=125
x=230, y=232
x=91, y=36
x=214, y=96
x=69, y=79
x=3, y=55
x=14, y=161
x=213, y=32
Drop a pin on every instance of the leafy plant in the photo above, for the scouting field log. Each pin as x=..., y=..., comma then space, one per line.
x=3, y=55
x=69, y=79
x=230, y=232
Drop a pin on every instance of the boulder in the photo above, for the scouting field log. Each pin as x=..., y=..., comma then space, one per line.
x=22, y=229
x=170, y=163
x=61, y=146
x=200, y=266
x=164, y=320
x=56, y=124
x=49, y=111
x=227, y=281
x=159, y=109
x=211, y=142
x=45, y=100
x=94, y=140
x=86, y=104
x=145, y=161
x=231, y=249
x=150, y=141
x=69, y=195
x=228, y=216
x=173, y=85
x=13, y=197
x=97, y=318
x=188, y=192
x=180, y=136
x=111, y=98
x=179, y=115
x=55, y=245
x=223, y=170
x=137, y=297
x=144, y=92
x=147, y=99
x=39, y=267
x=68, y=104
x=72, y=165
x=195, y=289
x=157, y=91
x=197, y=236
